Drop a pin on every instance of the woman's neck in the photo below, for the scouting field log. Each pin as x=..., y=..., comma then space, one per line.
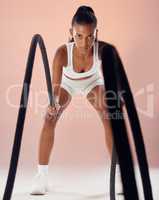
x=82, y=54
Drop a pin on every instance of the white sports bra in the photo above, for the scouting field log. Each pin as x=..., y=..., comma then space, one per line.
x=69, y=71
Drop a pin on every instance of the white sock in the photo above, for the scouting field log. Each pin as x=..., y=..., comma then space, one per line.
x=43, y=169
x=118, y=167
x=118, y=180
x=118, y=172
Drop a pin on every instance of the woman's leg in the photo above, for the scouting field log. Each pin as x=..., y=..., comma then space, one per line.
x=48, y=129
x=40, y=183
x=97, y=98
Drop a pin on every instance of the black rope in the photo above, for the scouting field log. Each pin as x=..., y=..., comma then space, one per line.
x=136, y=131
x=23, y=106
x=118, y=127
x=112, y=174
x=113, y=70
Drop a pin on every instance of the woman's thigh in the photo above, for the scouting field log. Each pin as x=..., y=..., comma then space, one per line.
x=97, y=98
x=64, y=98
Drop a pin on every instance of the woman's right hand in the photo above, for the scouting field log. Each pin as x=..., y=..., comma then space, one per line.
x=52, y=111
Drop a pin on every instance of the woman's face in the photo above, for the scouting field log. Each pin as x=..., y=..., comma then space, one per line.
x=84, y=36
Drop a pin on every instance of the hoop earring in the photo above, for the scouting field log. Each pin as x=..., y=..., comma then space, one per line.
x=70, y=39
x=96, y=38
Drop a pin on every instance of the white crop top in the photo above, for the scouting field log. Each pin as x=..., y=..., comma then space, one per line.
x=69, y=71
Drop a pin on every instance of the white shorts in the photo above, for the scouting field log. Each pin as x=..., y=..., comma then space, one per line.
x=83, y=86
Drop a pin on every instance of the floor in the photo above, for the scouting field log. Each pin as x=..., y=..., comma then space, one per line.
x=72, y=184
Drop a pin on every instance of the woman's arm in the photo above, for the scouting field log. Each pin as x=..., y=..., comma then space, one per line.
x=59, y=61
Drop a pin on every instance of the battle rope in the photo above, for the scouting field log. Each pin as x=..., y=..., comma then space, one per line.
x=112, y=174
x=23, y=106
x=113, y=70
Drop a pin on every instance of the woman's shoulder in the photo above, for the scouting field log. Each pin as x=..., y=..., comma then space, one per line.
x=61, y=53
x=61, y=50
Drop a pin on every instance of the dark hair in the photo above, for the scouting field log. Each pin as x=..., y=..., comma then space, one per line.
x=84, y=15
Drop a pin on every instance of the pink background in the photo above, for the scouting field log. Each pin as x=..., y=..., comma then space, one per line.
x=132, y=26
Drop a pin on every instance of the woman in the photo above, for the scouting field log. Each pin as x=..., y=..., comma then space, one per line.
x=76, y=68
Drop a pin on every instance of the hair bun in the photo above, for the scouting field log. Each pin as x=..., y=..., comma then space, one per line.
x=85, y=9
x=84, y=15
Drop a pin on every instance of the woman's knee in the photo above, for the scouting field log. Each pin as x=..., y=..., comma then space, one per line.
x=53, y=113
x=51, y=116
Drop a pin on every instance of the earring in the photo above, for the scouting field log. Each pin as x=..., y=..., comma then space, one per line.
x=96, y=38
x=70, y=38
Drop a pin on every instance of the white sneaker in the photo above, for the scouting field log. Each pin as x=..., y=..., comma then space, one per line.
x=40, y=184
x=118, y=182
